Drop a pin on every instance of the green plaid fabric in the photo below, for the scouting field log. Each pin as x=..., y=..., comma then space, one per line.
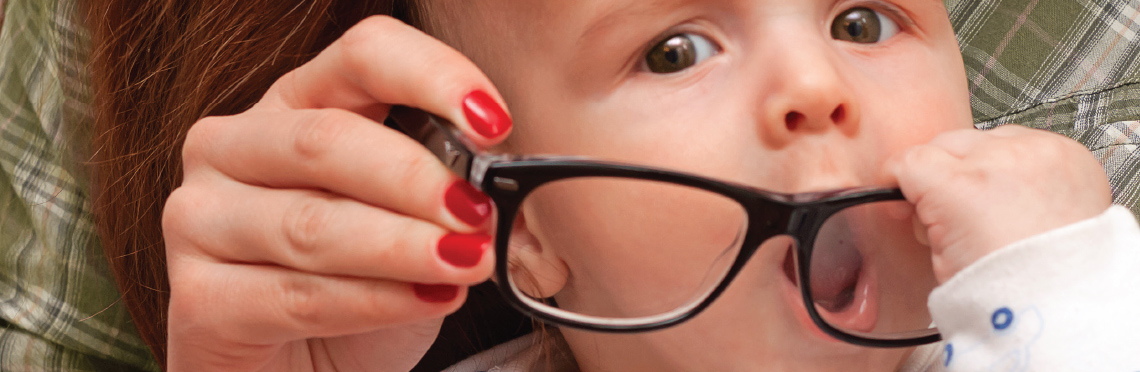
x=59, y=308
x=1069, y=66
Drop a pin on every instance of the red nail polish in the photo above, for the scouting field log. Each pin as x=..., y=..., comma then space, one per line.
x=485, y=115
x=463, y=250
x=435, y=292
x=468, y=204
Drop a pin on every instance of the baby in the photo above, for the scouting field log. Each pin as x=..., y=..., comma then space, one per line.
x=789, y=97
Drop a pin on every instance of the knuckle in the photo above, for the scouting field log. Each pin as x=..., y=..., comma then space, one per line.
x=449, y=69
x=412, y=249
x=181, y=308
x=176, y=210
x=394, y=238
x=190, y=288
x=182, y=214
x=1039, y=138
x=1052, y=151
x=379, y=300
x=393, y=251
x=971, y=178
x=415, y=168
x=286, y=91
x=1013, y=150
x=917, y=156
x=305, y=222
x=199, y=138
x=369, y=29
x=1012, y=127
x=366, y=35
x=302, y=307
x=324, y=131
x=1071, y=146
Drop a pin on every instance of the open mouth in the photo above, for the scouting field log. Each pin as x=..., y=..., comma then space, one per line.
x=836, y=268
x=844, y=290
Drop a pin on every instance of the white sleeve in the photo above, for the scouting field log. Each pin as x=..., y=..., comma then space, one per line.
x=1065, y=300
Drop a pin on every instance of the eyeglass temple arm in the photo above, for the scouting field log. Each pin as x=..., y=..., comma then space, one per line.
x=439, y=135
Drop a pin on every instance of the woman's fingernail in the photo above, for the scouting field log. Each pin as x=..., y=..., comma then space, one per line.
x=435, y=292
x=485, y=115
x=467, y=204
x=463, y=250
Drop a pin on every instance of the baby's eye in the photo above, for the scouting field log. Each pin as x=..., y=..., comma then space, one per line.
x=679, y=52
x=863, y=25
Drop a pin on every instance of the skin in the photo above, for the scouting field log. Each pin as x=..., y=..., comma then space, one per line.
x=267, y=274
x=723, y=118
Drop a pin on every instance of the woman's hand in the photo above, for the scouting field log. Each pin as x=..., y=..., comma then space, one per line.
x=976, y=192
x=306, y=236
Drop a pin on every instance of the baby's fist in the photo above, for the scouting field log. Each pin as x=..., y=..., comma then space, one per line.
x=977, y=191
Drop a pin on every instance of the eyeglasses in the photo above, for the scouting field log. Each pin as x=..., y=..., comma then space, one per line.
x=614, y=247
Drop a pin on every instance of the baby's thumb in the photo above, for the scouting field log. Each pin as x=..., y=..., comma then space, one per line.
x=921, y=170
x=925, y=175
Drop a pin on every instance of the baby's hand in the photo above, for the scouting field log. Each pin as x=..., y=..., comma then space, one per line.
x=976, y=192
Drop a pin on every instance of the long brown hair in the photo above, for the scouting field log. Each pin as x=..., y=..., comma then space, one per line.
x=160, y=65
x=157, y=67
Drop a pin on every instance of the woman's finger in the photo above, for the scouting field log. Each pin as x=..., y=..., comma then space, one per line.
x=322, y=233
x=338, y=151
x=373, y=63
x=267, y=305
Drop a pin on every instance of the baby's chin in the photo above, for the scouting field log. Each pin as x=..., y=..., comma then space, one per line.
x=737, y=345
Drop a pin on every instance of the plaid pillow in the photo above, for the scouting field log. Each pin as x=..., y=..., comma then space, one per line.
x=1069, y=66
x=1062, y=65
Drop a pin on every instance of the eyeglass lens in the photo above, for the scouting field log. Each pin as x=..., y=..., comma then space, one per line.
x=629, y=251
x=617, y=248
x=869, y=275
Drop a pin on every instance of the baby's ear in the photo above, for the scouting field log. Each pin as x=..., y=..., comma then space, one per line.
x=535, y=271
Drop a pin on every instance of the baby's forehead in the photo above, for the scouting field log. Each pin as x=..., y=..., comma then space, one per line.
x=586, y=18
x=526, y=41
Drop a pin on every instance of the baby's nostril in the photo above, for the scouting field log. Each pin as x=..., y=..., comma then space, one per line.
x=793, y=119
x=838, y=115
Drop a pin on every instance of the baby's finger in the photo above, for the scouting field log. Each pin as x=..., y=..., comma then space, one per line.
x=383, y=60
x=267, y=305
x=321, y=233
x=959, y=143
x=928, y=177
x=339, y=151
x=921, y=169
x=1014, y=131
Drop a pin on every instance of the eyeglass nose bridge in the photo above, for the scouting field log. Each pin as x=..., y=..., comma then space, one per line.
x=800, y=216
x=769, y=216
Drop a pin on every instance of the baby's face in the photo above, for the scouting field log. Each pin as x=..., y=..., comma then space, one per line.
x=782, y=95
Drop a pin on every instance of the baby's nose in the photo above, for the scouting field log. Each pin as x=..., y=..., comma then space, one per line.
x=809, y=94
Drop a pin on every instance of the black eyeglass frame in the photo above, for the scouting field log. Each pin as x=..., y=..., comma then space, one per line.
x=509, y=179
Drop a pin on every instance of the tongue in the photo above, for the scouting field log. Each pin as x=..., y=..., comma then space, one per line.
x=835, y=267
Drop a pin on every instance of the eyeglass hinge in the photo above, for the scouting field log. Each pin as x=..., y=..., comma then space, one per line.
x=506, y=184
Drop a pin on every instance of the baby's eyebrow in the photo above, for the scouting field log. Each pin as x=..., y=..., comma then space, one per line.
x=617, y=12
